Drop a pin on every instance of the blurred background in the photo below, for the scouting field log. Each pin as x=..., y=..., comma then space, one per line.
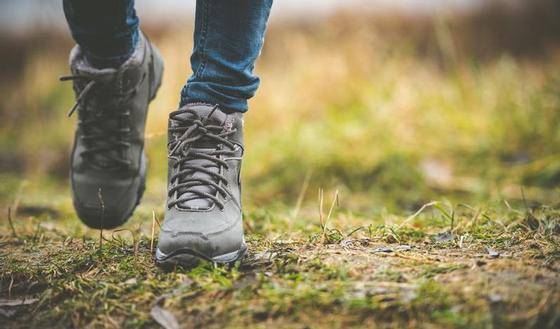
x=393, y=103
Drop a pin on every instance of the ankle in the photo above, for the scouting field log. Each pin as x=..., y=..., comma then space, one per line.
x=112, y=57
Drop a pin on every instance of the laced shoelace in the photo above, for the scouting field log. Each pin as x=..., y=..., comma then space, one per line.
x=184, y=182
x=100, y=138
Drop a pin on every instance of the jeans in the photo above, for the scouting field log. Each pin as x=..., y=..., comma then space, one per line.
x=228, y=38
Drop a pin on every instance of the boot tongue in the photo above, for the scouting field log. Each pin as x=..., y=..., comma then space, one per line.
x=105, y=102
x=201, y=202
x=105, y=159
x=107, y=78
x=213, y=117
x=207, y=114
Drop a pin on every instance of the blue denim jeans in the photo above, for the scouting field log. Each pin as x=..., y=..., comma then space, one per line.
x=228, y=38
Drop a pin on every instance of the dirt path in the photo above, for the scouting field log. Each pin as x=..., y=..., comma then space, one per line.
x=360, y=282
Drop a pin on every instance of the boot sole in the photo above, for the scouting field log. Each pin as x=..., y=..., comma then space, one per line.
x=188, y=258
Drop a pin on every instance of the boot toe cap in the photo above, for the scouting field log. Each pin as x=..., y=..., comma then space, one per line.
x=106, y=204
x=209, y=238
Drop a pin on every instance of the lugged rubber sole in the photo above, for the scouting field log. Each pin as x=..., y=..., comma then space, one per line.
x=189, y=258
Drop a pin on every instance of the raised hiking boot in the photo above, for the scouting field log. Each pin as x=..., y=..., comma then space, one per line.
x=108, y=164
x=203, y=218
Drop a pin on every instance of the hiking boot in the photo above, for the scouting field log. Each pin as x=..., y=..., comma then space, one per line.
x=203, y=219
x=108, y=164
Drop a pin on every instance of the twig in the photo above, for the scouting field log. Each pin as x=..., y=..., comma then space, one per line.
x=10, y=287
x=15, y=205
x=321, y=215
x=354, y=231
x=11, y=223
x=508, y=205
x=452, y=220
x=102, y=205
x=406, y=221
x=302, y=194
x=36, y=232
x=158, y=223
x=524, y=199
x=136, y=242
x=153, y=231
x=334, y=202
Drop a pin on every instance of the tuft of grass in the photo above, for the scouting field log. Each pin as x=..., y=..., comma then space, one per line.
x=390, y=276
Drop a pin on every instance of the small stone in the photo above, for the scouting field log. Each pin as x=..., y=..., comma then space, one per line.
x=444, y=237
x=492, y=253
x=404, y=248
x=131, y=282
x=494, y=298
x=382, y=249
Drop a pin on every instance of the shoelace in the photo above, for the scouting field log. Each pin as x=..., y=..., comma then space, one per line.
x=192, y=130
x=100, y=139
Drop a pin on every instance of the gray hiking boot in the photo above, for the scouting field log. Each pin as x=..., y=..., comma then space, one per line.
x=203, y=219
x=108, y=165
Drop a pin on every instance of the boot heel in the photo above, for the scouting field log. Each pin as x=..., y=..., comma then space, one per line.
x=157, y=71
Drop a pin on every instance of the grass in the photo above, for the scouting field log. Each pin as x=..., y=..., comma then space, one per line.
x=384, y=187
x=384, y=275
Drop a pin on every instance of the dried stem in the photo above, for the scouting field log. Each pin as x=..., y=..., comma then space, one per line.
x=301, y=195
x=153, y=231
x=102, y=206
x=14, y=234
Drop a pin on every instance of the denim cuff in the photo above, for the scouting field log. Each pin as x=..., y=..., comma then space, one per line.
x=126, y=49
x=200, y=92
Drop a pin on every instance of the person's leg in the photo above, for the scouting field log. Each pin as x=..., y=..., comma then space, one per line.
x=228, y=39
x=116, y=72
x=203, y=219
x=106, y=30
